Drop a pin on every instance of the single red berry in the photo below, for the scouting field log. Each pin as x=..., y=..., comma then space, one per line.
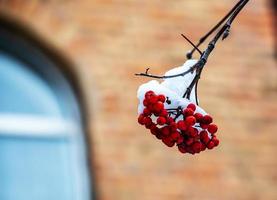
x=196, y=146
x=146, y=112
x=189, y=141
x=204, y=137
x=154, y=129
x=168, y=142
x=159, y=136
x=165, y=130
x=180, y=140
x=173, y=126
x=207, y=119
x=161, y=120
x=212, y=128
x=163, y=113
x=198, y=117
x=192, y=106
x=158, y=107
x=181, y=125
x=141, y=119
x=192, y=132
x=150, y=107
x=182, y=148
x=204, y=126
x=190, y=150
x=148, y=126
x=174, y=136
x=145, y=102
x=147, y=121
x=153, y=99
x=210, y=145
x=161, y=98
x=215, y=141
x=203, y=147
x=149, y=93
x=190, y=120
x=188, y=112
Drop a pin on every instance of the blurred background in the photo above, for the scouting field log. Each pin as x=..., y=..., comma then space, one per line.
x=68, y=106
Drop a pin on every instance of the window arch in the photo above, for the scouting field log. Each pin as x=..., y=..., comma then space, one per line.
x=42, y=122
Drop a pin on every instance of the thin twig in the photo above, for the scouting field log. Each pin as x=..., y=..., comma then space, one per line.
x=195, y=47
x=169, y=76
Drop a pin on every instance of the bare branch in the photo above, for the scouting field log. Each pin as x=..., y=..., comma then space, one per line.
x=223, y=32
x=146, y=74
x=200, y=52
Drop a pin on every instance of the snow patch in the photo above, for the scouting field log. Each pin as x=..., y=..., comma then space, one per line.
x=172, y=88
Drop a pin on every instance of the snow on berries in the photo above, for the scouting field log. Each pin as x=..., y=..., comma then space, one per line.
x=175, y=120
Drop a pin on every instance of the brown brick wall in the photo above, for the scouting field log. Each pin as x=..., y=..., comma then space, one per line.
x=110, y=40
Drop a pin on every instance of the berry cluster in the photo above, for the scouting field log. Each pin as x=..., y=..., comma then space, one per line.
x=189, y=130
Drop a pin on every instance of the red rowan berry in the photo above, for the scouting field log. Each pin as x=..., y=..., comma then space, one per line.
x=204, y=126
x=182, y=148
x=212, y=128
x=215, y=141
x=164, y=113
x=190, y=120
x=189, y=141
x=149, y=93
x=168, y=142
x=141, y=119
x=159, y=136
x=188, y=112
x=173, y=126
x=146, y=112
x=210, y=145
x=203, y=147
x=153, y=99
x=192, y=106
x=161, y=98
x=150, y=107
x=198, y=117
x=180, y=140
x=148, y=126
x=165, y=130
x=181, y=125
x=207, y=119
x=192, y=132
x=190, y=150
x=204, y=137
x=161, y=120
x=196, y=147
x=145, y=102
x=147, y=121
x=158, y=107
x=174, y=136
x=154, y=129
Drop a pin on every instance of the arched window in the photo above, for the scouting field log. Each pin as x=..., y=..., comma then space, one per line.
x=42, y=142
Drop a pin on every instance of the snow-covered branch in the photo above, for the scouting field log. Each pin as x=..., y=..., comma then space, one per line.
x=223, y=32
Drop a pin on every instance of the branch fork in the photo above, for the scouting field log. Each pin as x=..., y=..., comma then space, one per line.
x=223, y=33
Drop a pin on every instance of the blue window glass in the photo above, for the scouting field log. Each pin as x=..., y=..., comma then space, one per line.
x=42, y=147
